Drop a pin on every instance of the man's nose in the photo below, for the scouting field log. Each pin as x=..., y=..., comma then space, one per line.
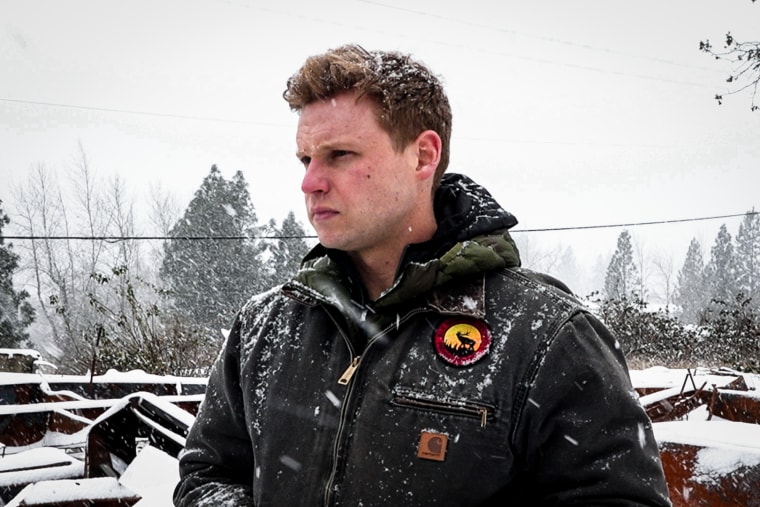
x=314, y=179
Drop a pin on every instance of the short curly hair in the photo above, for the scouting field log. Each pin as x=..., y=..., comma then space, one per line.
x=409, y=97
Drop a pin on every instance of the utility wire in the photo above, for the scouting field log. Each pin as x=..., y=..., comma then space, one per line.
x=552, y=40
x=446, y=43
x=141, y=113
x=282, y=125
x=152, y=238
x=277, y=237
x=637, y=224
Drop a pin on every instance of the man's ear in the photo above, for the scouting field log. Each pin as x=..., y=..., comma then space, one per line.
x=429, y=146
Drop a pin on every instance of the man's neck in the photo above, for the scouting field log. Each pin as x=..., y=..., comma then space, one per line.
x=378, y=268
x=377, y=272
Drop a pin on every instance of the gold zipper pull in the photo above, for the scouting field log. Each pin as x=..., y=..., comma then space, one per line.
x=343, y=380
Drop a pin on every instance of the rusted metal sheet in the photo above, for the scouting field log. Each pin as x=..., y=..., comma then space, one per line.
x=676, y=406
x=733, y=401
x=694, y=484
x=735, y=406
x=719, y=465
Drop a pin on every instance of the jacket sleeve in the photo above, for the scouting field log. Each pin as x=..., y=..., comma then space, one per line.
x=216, y=467
x=581, y=432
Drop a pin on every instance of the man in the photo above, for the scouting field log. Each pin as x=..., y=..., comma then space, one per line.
x=411, y=361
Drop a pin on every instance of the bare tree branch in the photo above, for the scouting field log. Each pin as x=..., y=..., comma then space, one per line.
x=744, y=57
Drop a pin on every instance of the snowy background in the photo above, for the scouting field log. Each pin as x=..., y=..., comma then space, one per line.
x=572, y=113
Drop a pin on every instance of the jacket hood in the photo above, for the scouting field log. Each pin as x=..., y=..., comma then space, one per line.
x=472, y=238
x=465, y=210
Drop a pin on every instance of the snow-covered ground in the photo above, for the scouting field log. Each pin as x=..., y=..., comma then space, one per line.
x=725, y=445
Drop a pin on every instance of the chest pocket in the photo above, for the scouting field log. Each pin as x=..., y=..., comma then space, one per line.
x=473, y=409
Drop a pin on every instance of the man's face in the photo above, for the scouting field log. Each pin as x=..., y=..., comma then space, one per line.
x=361, y=194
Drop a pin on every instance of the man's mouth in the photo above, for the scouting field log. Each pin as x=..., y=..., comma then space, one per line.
x=321, y=213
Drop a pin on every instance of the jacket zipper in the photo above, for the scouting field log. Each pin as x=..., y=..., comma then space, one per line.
x=345, y=379
x=465, y=408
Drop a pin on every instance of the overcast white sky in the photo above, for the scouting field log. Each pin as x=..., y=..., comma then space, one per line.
x=571, y=113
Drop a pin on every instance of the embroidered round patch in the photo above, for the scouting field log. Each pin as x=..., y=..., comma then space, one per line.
x=461, y=341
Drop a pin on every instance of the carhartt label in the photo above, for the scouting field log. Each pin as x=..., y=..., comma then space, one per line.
x=432, y=446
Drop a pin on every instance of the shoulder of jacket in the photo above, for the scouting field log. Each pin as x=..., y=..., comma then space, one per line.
x=533, y=295
x=260, y=312
x=262, y=302
x=542, y=283
x=545, y=279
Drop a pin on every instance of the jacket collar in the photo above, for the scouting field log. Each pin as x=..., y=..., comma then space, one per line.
x=469, y=299
x=472, y=238
x=465, y=296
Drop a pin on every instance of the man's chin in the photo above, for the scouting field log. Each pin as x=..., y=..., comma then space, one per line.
x=334, y=243
x=329, y=242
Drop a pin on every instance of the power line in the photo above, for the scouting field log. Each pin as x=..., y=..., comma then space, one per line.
x=141, y=113
x=280, y=125
x=553, y=40
x=446, y=43
x=637, y=224
x=116, y=239
x=480, y=26
x=279, y=237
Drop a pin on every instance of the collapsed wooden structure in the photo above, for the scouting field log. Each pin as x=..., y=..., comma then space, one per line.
x=708, y=431
x=79, y=440
x=68, y=441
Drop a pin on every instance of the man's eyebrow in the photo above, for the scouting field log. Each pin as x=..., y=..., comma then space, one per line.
x=322, y=148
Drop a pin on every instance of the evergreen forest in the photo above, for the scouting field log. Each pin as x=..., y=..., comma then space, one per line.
x=92, y=290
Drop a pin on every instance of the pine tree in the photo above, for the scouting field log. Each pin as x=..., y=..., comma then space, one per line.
x=748, y=257
x=569, y=272
x=211, y=278
x=721, y=270
x=690, y=294
x=288, y=250
x=598, y=274
x=622, y=273
x=15, y=312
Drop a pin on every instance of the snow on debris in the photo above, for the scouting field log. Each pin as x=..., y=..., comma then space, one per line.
x=153, y=475
x=71, y=490
x=662, y=377
x=730, y=435
x=44, y=463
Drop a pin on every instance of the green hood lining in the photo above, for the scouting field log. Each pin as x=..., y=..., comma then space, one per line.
x=321, y=279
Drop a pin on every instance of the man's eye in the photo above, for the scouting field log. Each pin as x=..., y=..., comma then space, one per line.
x=340, y=153
x=306, y=161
